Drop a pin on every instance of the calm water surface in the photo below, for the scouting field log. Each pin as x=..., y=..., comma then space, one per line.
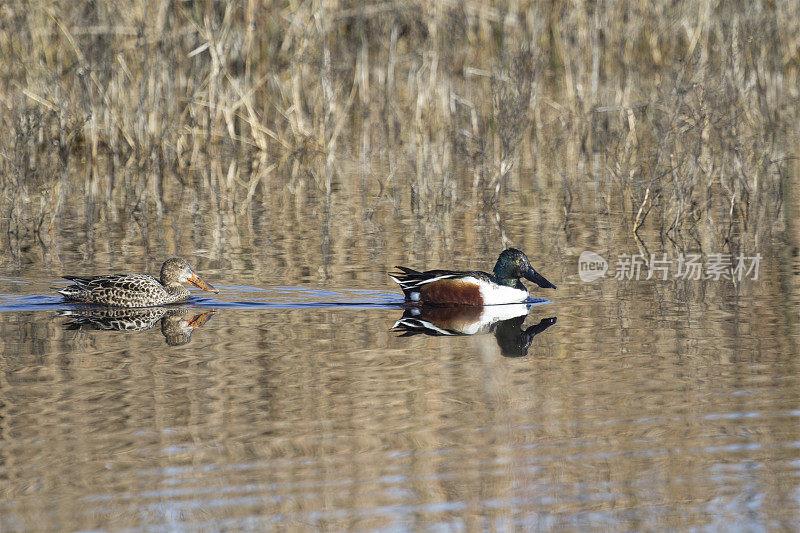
x=623, y=405
x=294, y=153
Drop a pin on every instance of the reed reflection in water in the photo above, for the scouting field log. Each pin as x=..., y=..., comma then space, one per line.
x=622, y=415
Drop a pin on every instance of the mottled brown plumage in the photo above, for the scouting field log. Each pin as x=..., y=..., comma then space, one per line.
x=136, y=290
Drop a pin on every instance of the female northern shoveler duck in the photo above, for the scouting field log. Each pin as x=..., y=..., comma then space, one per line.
x=450, y=287
x=136, y=290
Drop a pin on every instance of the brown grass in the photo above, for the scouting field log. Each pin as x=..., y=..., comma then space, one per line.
x=684, y=114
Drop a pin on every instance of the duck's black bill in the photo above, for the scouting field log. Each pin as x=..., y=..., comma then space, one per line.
x=538, y=279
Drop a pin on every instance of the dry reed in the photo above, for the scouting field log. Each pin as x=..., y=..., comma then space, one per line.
x=684, y=113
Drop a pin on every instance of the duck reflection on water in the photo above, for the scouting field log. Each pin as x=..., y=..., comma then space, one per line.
x=504, y=321
x=177, y=323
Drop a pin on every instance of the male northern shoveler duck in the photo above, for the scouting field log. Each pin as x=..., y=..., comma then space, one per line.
x=136, y=290
x=451, y=287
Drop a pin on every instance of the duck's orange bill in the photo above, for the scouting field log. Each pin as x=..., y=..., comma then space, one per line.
x=198, y=282
x=199, y=320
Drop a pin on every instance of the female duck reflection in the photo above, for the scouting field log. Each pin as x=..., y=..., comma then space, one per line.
x=505, y=321
x=177, y=323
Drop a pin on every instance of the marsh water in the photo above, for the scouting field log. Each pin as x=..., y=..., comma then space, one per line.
x=644, y=156
x=290, y=400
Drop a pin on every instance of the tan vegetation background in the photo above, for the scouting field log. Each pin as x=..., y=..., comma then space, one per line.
x=211, y=126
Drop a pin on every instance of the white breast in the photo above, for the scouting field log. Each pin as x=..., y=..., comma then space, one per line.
x=492, y=315
x=498, y=294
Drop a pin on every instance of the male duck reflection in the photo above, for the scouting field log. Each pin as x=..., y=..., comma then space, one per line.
x=504, y=321
x=451, y=287
x=136, y=290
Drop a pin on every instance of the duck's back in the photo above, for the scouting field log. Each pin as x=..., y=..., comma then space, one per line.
x=121, y=290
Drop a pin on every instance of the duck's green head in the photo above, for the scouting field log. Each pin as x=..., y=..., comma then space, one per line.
x=513, y=265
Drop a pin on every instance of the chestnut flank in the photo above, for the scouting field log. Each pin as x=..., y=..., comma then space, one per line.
x=450, y=291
